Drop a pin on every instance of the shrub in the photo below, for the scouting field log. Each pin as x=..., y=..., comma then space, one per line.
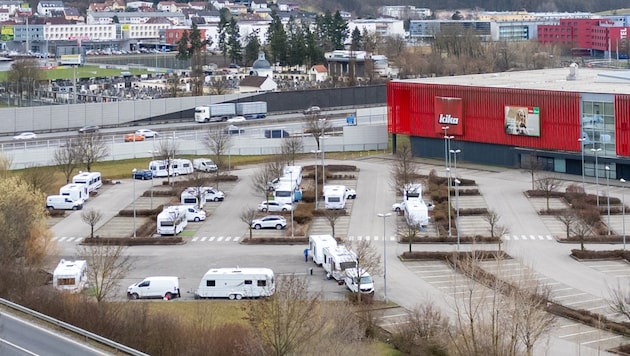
x=472, y=211
x=142, y=212
x=301, y=240
x=56, y=213
x=130, y=241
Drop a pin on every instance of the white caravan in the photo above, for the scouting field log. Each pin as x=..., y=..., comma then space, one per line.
x=160, y=168
x=172, y=220
x=412, y=192
x=337, y=260
x=93, y=180
x=75, y=191
x=70, y=275
x=194, y=196
x=334, y=196
x=286, y=193
x=294, y=172
x=352, y=281
x=416, y=213
x=166, y=287
x=236, y=283
x=316, y=245
x=182, y=166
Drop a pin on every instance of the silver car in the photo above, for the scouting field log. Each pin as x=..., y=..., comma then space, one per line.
x=270, y=222
x=273, y=205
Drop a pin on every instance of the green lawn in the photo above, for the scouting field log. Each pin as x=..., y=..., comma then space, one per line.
x=87, y=71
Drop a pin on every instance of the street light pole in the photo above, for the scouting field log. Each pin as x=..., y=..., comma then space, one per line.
x=321, y=138
x=581, y=140
x=454, y=153
x=623, y=213
x=292, y=201
x=608, y=196
x=595, y=150
x=384, y=216
x=457, y=182
x=447, y=163
x=133, y=173
x=316, y=152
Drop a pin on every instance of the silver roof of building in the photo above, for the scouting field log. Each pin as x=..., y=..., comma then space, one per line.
x=587, y=80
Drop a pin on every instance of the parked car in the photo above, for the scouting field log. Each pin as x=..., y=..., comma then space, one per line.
x=89, y=129
x=133, y=137
x=273, y=205
x=143, y=174
x=213, y=194
x=237, y=119
x=270, y=222
x=147, y=133
x=312, y=110
x=25, y=136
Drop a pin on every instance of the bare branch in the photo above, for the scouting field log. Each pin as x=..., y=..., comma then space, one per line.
x=107, y=265
x=91, y=217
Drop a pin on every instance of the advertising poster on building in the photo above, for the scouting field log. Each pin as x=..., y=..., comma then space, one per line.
x=448, y=113
x=522, y=120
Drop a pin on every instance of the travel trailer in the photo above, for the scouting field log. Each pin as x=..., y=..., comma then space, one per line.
x=182, y=166
x=93, y=180
x=75, y=191
x=337, y=260
x=236, y=283
x=416, y=213
x=161, y=168
x=70, y=275
x=316, y=245
x=335, y=196
x=172, y=220
x=194, y=196
x=165, y=288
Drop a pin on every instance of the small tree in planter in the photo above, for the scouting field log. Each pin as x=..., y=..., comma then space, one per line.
x=567, y=218
x=582, y=230
x=247, y=216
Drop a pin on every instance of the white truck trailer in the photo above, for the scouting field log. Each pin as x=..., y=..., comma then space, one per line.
x=214, y=112
x=236, y=283
x=252, y=110
x=337, y=260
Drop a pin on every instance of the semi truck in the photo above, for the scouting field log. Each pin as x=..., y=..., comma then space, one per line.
x=252, y=110
x=214, y=112
x=71, y=59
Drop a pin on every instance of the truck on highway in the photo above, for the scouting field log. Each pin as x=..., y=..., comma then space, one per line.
x=71, y=59
x=214, y=112
x=252, y=110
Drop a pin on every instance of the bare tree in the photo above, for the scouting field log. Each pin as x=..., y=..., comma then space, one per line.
x=408, y=230
x=289, y=319
x=548, y=185
x=332, y=216
x=219, y=87
x=567, y=217
x=91, y=148
x=582, y=230
x=423, y=333
x=107, y=265
x=66, y=159
x=531, y=164
x=218, y=141
x=316, y=126
x=291, y=147
x=496, y=230
x=403, y=169
x=166, y=150
x=39, y=178
x=91, y=217
x=23, y=79
x=247, y=216
x=619, y=301
x=173, y=87
x=264, y=176
x=368, y=260
x=198, y=179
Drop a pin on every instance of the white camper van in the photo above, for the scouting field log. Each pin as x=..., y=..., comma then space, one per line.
x=204, y=165
x=337, y=260
x=194, y=196
x=316, y=245
x=75, y=192
x=91, y=179
x=70, y=275
x=334, y=196
x=172, y=220
x=352, y=281
x=155, y=287
x=61, y=202
x=236, y=283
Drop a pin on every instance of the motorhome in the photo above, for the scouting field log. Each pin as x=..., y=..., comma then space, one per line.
x=337, y=260
x=61, y=202
x=416, y=213
x=236, y=283
x=182, y=166
x=194, y=196
x=294, y=173
x=334, y=196
x=161, y=168
x=75, y=191
x=412, y=192
x=172, y=220
x=165, y=287
x=70, y=275
x=354, y=283
x=316, y=245
x=93, y=180
x=287, y=193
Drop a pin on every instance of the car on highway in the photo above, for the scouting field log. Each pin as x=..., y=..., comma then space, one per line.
x=312, y=110
x=273, y=205
x=89, y=129
x=143, y=174
x=132, y=137
x=270, y=222
x=147, y=133
x=237, y=119
x=25, y=136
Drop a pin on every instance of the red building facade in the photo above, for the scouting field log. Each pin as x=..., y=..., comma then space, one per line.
x=584, y=36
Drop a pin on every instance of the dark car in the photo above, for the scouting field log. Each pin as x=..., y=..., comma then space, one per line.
x=89, y=129
x=143, y=174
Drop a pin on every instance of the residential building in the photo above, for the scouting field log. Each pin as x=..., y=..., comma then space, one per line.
x=382, y=27
x=405, y=12
x=318, y=73
x=256, y=84
x=46, y=6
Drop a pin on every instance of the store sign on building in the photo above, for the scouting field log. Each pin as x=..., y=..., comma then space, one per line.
x=448, y=112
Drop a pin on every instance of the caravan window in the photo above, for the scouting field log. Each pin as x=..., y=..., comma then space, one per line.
x=334, y=199
x=167, y=223
x=210, y=283
x=248, y=282
x=262, y=283
x=346, y=265
x=190, y=200
x=65, y=282
x=283, y=193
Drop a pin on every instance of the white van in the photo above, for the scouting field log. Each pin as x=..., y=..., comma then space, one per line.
x=352, y=281
x=204, y=165
x=61, y=202
x=70, y=276
x=75, y=192
x=93, y=180
x=236, y=283
x=155, y=287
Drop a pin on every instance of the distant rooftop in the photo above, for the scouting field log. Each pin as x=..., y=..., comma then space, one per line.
x=588, y=80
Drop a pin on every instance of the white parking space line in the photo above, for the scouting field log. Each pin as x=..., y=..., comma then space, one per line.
x=580, y=333
x=600, y=340
x=569, y=296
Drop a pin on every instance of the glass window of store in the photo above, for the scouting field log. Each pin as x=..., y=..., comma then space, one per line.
x=598, y=127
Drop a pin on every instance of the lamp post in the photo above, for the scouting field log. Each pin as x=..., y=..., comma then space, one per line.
x=608, y=196
x=323, y=123
x=623, y=213
x=133, y=173
x=292, y=201
x=447, y=163
x=384, y=216
x=316, y=152
x=457, y=182
x=582, y=140
x=454, y=153
x=595, y=150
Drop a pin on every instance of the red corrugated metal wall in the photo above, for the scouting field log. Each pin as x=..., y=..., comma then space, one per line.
x=622, y=124
x=411, y=112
